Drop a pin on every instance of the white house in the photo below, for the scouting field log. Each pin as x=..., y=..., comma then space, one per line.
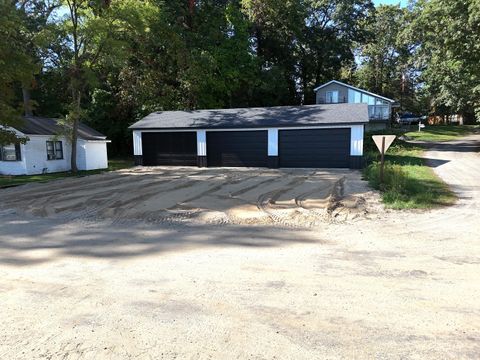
x=47, y=151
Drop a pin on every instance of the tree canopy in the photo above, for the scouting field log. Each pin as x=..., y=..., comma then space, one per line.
x=110, y=62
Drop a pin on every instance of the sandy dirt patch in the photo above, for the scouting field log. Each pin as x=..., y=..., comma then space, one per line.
x=397, y=285
x=295, y=197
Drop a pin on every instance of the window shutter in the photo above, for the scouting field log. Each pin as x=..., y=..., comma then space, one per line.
x=18, y=152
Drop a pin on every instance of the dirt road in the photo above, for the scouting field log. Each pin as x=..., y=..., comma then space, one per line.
x=397, y=285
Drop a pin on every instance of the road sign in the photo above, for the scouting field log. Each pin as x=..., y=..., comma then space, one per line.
x=378, y=139
x=383, y=142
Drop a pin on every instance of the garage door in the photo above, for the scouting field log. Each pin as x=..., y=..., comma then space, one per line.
x=237, y=148
x=314, y=148
x=169, y=148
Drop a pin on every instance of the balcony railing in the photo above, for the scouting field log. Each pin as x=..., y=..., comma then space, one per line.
x=343, y=100
x=378, y=117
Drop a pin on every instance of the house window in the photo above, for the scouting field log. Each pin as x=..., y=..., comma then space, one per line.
x=10, y=152
x=367, y=99
x=354, y=97
x=331, y=97
x=54, y=150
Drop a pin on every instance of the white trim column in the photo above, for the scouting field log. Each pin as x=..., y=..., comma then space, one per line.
x=356, y=140
x=137, y=143
x=201, y=143
x=137, y=147
x=356, y=146
x=201, y=148
x=273, y=148
x=272, y=142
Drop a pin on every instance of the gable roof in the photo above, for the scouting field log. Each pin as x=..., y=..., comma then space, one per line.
x=35, y=125
x=278, y=116
x=353, y=88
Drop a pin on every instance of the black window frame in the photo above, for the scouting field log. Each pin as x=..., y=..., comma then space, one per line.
x=57, y=147
x=18, y=153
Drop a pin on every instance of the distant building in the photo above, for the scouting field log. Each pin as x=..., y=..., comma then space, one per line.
x=47, y=150
x=379, y=107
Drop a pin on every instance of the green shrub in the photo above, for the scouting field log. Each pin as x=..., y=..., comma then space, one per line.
x=409, y=186
x=394, y=177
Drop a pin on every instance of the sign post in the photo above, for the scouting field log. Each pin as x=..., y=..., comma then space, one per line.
x=383, y=142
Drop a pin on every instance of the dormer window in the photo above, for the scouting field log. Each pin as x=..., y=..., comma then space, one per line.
x=331, y=97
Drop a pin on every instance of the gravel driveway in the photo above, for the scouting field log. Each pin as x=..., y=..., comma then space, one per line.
x=396, y=285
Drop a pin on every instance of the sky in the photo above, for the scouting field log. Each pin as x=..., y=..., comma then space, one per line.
x=391, y=2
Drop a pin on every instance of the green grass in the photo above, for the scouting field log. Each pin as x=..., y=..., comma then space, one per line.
x=113, y=164
x=408, y=182
x=442, y=132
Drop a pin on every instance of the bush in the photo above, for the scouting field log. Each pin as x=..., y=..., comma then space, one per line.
x=409, y=186
x=408, y=182
x=394, y=177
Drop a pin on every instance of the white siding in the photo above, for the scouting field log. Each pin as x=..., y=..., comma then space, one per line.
x=356, y=140
x=36, y=155
x=90, y=156
x=14, y=167
x=95, y=155
x=81, y=155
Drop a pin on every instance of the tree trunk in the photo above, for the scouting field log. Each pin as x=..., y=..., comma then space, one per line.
x=74, y=137
x=73, y=159
x=74, y=5
x=27, y=106
x=191, y=6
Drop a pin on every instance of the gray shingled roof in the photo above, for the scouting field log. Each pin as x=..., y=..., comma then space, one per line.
x=280, y=116
x=34, y=125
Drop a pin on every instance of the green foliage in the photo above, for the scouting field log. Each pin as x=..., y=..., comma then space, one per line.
x=447, y=38
x=441, y=132
x=16, y=67
x=385, y=57
x=311, y=40
x=109, y=63
x=408, y=182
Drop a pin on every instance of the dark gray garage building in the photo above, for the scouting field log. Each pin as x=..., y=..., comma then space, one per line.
x=329, y=136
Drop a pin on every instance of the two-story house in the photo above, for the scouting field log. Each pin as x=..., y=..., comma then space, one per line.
x=379, y=107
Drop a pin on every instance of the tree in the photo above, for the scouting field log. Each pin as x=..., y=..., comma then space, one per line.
x=447, y=38
x=87, y=31
x=310, y=41
x=16, y=67
x=384, y=59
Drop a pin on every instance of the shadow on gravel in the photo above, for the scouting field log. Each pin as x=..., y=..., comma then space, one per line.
x=454, y=145
x=434, y=163
x=416, y=160
x=35, y=241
